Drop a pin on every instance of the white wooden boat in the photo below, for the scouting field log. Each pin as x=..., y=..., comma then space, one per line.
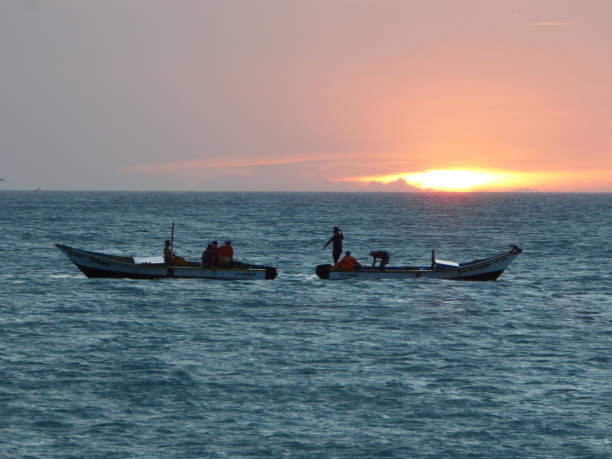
x=487, y=269
x=94, y=264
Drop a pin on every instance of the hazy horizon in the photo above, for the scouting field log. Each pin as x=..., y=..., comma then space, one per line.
x=364, y=190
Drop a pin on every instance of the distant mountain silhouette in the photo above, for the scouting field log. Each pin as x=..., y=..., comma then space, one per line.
x=524, y=190
x=397, y=185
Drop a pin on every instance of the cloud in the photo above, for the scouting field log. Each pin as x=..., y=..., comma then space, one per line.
x=549, y=24
x=198, y=165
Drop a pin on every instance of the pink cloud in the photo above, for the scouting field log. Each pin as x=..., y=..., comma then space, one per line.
x=205, y=164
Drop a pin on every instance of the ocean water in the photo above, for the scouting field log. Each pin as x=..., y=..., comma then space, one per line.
x=298, y=366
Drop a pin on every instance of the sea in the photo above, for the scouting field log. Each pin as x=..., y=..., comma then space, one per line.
x=299, y=366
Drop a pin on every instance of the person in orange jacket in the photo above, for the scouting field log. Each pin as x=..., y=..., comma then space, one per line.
x=348, y=263
x=226, y=254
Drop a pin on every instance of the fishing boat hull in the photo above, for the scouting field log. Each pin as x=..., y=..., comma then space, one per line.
x=94, y=264
x=488, y=269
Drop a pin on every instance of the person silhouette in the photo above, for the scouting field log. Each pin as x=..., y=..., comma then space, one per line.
x=336, y=239
x=383, y=255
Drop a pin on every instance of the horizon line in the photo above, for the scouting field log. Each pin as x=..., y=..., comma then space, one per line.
x=116, y=190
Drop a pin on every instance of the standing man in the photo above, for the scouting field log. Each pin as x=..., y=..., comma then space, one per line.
x=383, y=255
x=337, y=244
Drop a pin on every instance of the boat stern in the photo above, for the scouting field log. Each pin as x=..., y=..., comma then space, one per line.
x=323, y=271
x=271, y=273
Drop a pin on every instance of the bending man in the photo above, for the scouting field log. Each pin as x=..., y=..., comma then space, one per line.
x=383, y=255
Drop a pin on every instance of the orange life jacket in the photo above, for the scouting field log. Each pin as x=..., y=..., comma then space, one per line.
x=346, y=264
x=225, y=251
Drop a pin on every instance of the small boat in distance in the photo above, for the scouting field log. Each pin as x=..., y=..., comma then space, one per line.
x=94, y=264
x=487, y=269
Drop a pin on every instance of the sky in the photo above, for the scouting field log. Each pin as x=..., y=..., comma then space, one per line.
x=330, y=95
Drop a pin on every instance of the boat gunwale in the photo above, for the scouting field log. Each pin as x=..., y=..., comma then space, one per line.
x=67, y=249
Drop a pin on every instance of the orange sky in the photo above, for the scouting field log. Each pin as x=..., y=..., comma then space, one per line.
x=306, y=95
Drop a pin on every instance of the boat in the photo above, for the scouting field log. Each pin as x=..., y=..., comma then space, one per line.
x=94, y=264
x=486, y=269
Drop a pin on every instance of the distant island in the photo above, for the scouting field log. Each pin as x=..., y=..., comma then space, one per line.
x=524, y=190
x=397, y=185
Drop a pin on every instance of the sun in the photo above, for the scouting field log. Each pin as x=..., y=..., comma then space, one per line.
x=451, y=179
x=454, y=179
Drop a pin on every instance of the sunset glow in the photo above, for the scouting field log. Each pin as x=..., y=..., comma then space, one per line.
x=452, y=179
x=465, y=180
x=323, y=95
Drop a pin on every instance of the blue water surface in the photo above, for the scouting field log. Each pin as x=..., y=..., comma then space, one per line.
x=298, y=366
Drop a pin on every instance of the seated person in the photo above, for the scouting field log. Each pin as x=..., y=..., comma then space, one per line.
x=348, y=263
x=169, y=257
x=216, y=249
x=383, y=255
x=226, y=254
x=209, y=256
